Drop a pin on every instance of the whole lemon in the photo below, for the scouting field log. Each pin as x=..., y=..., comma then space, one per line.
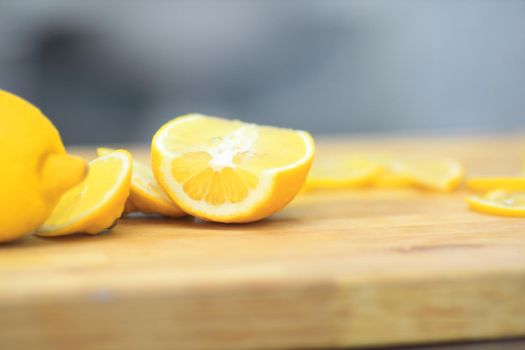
x=34, y=167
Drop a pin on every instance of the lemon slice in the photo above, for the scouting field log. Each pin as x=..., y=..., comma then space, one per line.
x=390, y=179
x=338, y=171
x=230, y=171
x=390, y=174
x=385, y=170
x=499, y=202
x=97, y=202
x=146, y=196
x=434, y=173
x=496, y=183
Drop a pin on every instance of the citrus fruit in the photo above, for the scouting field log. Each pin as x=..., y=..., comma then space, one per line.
x=229, y=171
x=97, y=202
x=433, y=173
x=390, y=179
x=496, y=183
x=390, y=175
x=499, y=202
x=35, y=168
x=429, y=172
x=146, y=196
x=339, y=171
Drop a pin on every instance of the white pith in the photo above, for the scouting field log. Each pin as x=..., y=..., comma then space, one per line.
x=238, y=141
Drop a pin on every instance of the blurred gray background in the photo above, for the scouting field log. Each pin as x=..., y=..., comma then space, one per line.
x=114, y=71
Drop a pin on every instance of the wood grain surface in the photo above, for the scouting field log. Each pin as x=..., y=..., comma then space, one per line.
x=362, y=267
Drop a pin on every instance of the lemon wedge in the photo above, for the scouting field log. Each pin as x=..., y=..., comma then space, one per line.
x=95, y=204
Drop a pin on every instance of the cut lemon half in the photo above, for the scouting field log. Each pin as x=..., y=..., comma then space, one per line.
x=338, y=171
x=146, y=196
x=496, y=183
x=499, y=202
x=229, y=171
x=433, y=173
x=97, y=202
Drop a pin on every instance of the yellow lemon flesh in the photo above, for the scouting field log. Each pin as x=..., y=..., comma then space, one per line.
x=338, y=172
x=97, y=202
x=146, y=196
x=496, y=183
x=499, y=202
x=229, y=171
x=35, y=169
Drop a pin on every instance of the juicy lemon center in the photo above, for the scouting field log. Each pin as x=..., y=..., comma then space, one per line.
x=216, y=174
x=224, y=151
x=512, y=199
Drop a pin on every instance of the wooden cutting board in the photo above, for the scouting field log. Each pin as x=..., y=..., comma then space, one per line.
x=348, y=268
